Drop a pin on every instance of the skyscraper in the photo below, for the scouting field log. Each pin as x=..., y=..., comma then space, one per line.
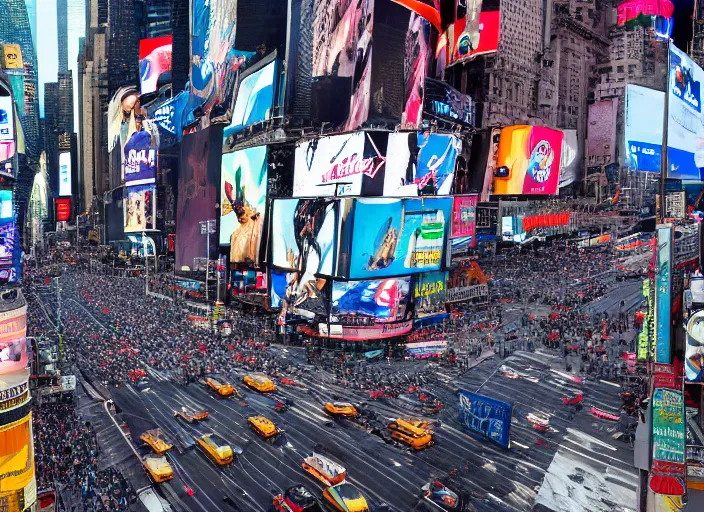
x=123, y=45
x=154, y=17
x=32, y=14
x=62, y=32
x=51, y=132
x=76, y=30
x=65, y=122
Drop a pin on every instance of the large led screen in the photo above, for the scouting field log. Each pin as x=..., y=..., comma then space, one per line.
x=243, y=202
x=393, y=237
x=429, y=293
x=254, y=99
x=197, y=193
x=415, y=70
x=63, y=209
x=140, y=159
x=154, y=61
x=10, y=253
x=570, y=158
x=7, y=128
x=6, y=206
x=303, y=236
x=13, y=341
x=299, y=294
x=643, y=128
x=65, y=188
x=214, y=61
x=464, y=214
x=482, y=40
x=376, y=300
x=139, y=206
x=436, y=162
x=329, y=163
x=685, y=152
x=528, y=161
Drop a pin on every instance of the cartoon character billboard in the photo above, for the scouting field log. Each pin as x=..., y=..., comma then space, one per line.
x=528, y=161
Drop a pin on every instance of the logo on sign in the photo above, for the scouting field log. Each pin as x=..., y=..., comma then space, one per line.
x=541, y=159
x=137, y=157
x=353, y=165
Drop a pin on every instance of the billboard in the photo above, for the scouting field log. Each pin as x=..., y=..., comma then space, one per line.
x=415, y=70
x=447, y=103
x=570, y=158
x=10, y=253
x=298, y=294
x=304, y=238
x=7, y=128
x=139, y=159
x=243, y=202
x=331, y=166
x=669, y=441
x=197, y=193
x=464, y=214
x=154, y=62
x=254, y=99
x=6, y=206
x=65, y=185
x=13, y=56
x=435, y=170
x=13, y=342
x=601, y=132
x=430, y=294
x=528, y=161
x=245, y=282
x=401, y=149
x=214, y=60
x=486, y=416
x=376, y=301
x=341, y=62
x=643, y=128
x=467, y=282
x=63, y=209
x=393, y=237
x=663, y=282
x=467, y=44
x=139, y=206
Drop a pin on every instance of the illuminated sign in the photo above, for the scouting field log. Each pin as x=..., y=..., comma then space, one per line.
x=65, y=174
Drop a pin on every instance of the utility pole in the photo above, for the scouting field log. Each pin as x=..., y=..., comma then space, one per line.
x=58, y=305
x=146, y=266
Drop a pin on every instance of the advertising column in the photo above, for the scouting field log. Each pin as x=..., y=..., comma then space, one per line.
x=663, y=299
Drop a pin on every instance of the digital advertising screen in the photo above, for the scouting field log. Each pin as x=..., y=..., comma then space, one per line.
x=245, y=282
x=685, y=152
x=10, y=253
x=464, y=215
x=298, y=294
x=199, y=176
x=415, y=70
x=393, y=237
x=13, y=342
x=65, y=185
x=243, y=186
x=7, y=127
x=139, y=205
x=436, y=162
x=528, y=161
x=6, y=207
x=154, y=62
x=400, y=167
x=643, y=128
x=371, y=301
x=254, y=99
x=429, y=293
x=303, y=237
x=63, y=209
x=140, y=159
x=329, y=163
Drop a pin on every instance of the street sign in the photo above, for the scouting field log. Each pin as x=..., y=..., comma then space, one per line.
x=207, y=226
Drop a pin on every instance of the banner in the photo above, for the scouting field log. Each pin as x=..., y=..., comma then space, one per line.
x=663, y=300
x=375, y=332
x=13, y=346
x=365, y=303
x=466, y=283
x=486, y=416
x=437, y=154
x=392, y=237
x=430, y=294
x=643, y=336
x=464, y=213
x=425, y=349
x=13, y=56
x=667, y=475
x=484, y=40
x=243, y=187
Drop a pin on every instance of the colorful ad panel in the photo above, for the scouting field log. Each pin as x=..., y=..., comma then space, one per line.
x=669, y=438
x=467, y=282
x=643, y=128
x=7, y=128
x=486, y=416
x=154, y=62
x=484, y=39
x=254, y=99
x=139, y=205
x=393, y=237
x=139, y=159
x=65, y=185
x=430, y=294
x=304, y=238
x=13, y=56
x=400, y=168
x=243, y=202
x=63, y=209
x=464, y=214
x=570, y=158
x=685, y=150
x=13, y=343
x=528, y=161
x=331, y=166
x=436, y=163
x=445, y=102
x=298, y=294
x=6, y=206
x=415, y=70
x=10, y=253
x=359, y=303
x=663, y=281
x=245, y=282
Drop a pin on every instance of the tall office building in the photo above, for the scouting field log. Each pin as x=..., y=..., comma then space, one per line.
x=65, y=103
x=15, y=28
x=62, y=33
x=153, y=18
x=123, y=45
x=51, y=132
x=76, y=31
x=32, y=14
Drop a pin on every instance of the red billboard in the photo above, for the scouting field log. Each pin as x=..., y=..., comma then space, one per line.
x=464, y=45
x=154, y=61
x=63, y=209
x=464, y=214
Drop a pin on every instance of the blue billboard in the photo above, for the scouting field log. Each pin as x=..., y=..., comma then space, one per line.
x=395, y=237
x=255, y=99
x=486, y=416
x=436, y=162
x=383, y=300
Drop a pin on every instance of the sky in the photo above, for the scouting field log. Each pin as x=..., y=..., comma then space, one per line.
x=47, y=47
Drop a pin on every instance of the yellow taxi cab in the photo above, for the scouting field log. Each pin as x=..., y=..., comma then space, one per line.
x=223, y=389
x=158, y=468
x=190, y=415
x=218, y=452
x=410, y=434
x=345, y=497
x=345, y=409
x=259, y=383
x=324, y=469
x=156, y=442
x=262, y=426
